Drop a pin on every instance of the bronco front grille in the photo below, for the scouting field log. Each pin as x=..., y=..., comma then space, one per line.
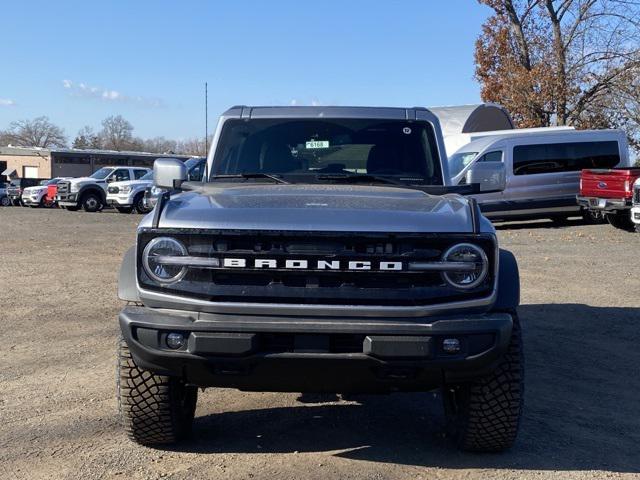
x=312, y=286
x=636, y=195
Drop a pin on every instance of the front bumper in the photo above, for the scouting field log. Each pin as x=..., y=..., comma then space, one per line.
x=67, y=199
x=30, y=201
x=635, y=214
x=119, y=200
x=603, y=204
x=266, y=353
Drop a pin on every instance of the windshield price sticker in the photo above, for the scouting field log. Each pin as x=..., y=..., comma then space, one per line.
x=317, y=144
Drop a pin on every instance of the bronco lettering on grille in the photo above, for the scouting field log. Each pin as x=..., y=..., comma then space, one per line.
x=290, y=264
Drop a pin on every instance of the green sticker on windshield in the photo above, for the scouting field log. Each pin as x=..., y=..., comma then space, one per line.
x=317, y=144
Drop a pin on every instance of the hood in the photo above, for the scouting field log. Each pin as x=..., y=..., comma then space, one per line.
x=83, y=180
x=37, y=188
x=316, y=208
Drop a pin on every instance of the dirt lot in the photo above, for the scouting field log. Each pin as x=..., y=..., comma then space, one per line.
x=581, y=317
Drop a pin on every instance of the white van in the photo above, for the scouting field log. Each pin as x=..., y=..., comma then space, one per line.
x=542, y=169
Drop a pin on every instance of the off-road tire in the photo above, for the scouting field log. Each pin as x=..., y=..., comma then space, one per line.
x=484, y=416
x=138, y=203
x=621, y=220
x=155, y=409
x=91, y=202
x=124, y=209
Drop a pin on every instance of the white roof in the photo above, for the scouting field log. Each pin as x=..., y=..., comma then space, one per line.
x=472, y=118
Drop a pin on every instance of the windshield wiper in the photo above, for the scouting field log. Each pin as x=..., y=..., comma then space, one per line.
x=251, y=175
x=359, y=177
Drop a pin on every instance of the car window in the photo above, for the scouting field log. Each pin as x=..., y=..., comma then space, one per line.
x=564, y=157
x=195, y=174
x=102, y=173
x=458, y=161
x=121, y=175
x=491, y=157
x=147, y=176
x=307, y=148
x=139, y=173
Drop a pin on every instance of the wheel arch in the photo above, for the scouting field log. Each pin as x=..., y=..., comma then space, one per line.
x=127, y=288
x=508, y=282
x=93, y=189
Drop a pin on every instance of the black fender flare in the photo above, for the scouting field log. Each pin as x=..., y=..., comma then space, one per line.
x=93, y=189
x=508, y=282
x=127, y=285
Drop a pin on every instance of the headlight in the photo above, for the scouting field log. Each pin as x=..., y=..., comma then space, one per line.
x=476, y=266
x=73, y=188
x=125, y=189
x=156, y=259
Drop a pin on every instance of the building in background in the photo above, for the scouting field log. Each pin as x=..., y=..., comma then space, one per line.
x=22, y=162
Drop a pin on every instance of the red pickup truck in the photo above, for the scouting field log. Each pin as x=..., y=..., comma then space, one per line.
x=609, y=192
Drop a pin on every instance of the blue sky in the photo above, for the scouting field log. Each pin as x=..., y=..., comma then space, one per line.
x=79, y=62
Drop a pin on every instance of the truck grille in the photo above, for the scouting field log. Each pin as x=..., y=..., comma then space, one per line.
x=14, y=191
x=63, y=187
x=636, y=195
x=335, y=287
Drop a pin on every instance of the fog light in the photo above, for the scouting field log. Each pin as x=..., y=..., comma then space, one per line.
x=451, y=345
x=175, y=340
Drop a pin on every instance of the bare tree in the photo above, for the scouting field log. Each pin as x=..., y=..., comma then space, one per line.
x=193, y=146
x=39, y=132
x=116, y=133
x=87, y=138
x=563, y=62
x=160, y=145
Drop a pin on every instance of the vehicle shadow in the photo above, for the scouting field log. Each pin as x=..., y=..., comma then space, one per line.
x=535, y=224
x=581, y=412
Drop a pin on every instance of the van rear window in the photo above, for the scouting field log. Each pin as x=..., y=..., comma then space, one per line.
x=564, y=157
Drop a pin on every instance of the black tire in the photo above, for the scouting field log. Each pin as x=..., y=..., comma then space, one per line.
x=124, y=209
x=139, y=205
x=5, y=201
x=91, y=202
x=621, y=220
x=73, y=208
x=16, y=203
x=155, y=409
x=484, y=416
x=637, y=227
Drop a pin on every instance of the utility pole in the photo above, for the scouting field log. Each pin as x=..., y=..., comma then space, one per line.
x=206, y=121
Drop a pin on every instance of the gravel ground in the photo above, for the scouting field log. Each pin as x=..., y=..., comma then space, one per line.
x=580, y=313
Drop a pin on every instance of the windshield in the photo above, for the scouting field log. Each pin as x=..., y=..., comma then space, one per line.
x=459, y=160
x=147, y=176
x=192, y=162
x=51, y=181
x=102, y=173
x=306, y=149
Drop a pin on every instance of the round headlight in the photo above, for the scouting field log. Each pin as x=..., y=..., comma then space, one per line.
x=157, y=262
x=475, y=269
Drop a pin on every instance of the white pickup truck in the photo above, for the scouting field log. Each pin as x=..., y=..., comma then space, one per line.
x=90, y=193
x=129, y=195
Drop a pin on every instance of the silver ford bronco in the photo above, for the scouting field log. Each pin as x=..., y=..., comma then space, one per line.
x=324, y=251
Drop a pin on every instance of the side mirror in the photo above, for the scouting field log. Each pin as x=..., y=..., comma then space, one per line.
x=169, y=173
x=491, y=176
